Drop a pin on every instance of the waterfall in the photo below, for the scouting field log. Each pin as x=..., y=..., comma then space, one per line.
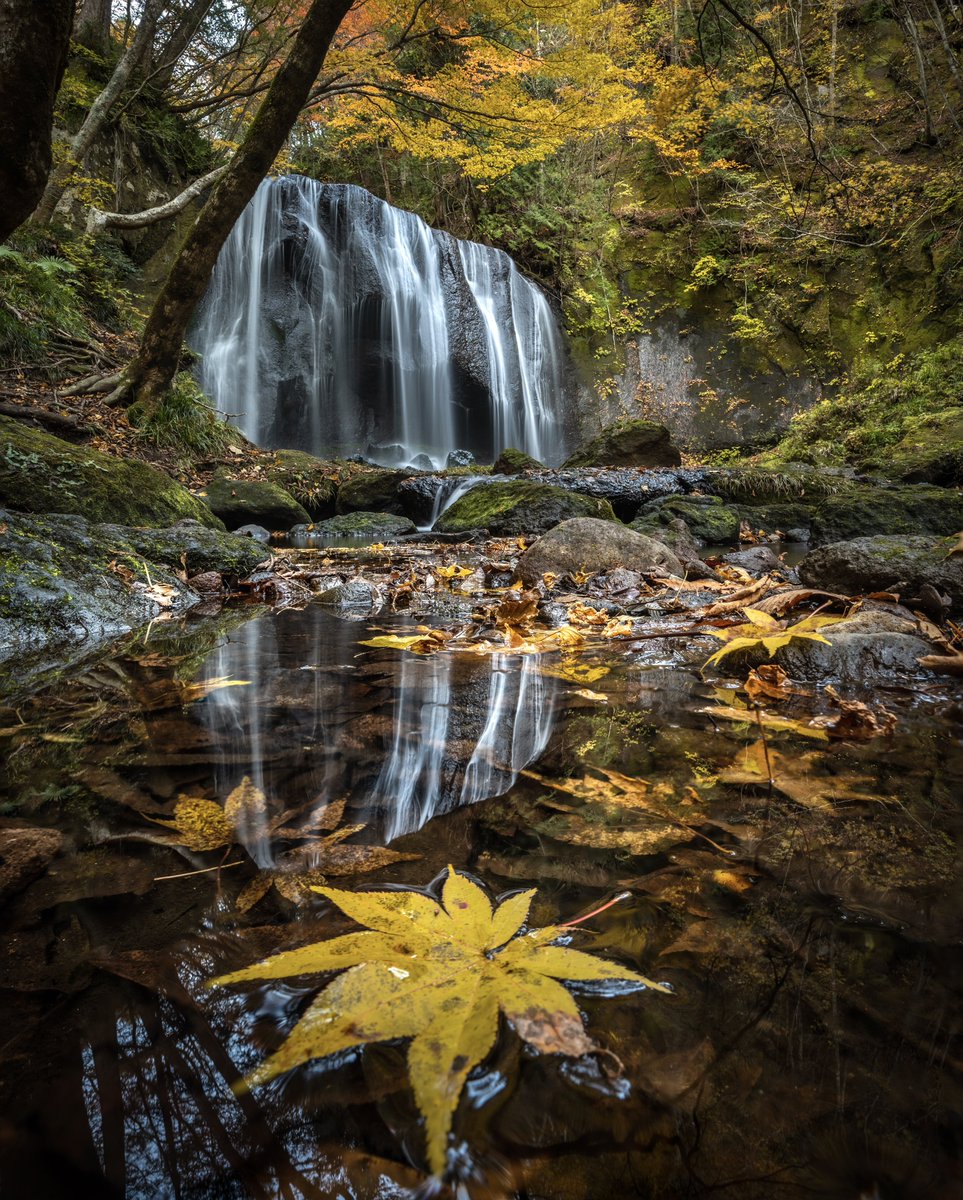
x=334, y=323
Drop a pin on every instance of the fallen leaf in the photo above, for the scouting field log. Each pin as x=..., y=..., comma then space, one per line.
x=765, y=632
x=770, y=682
x=438, y=974
x=795, y=778
x=856, y=721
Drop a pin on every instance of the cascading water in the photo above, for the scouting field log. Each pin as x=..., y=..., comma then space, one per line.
x=335, y=323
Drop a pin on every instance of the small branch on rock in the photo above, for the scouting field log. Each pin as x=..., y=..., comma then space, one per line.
x=98, y=220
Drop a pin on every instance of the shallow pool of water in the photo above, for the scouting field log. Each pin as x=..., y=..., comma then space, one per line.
x=810, y=931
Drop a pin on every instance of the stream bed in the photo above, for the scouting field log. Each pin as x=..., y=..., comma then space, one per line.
x=809, y=928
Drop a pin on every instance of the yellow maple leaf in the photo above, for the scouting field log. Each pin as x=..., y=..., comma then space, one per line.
x=763, y=630
x=438, y=973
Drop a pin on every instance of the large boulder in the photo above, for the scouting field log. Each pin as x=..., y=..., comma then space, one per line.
x=191, y=546
x=40, y=473
x=874, y=564
x=515, y=507
x=372, y=491
x=306, y=478
x=858, y=512
x=252, y=502
x=629, y=444
x=585, y=544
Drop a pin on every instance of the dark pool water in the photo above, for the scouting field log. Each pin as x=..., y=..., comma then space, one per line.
x=811, y=932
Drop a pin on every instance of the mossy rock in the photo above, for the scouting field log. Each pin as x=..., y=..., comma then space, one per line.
x=873, y=564
x=372, y=491
x=514, y=462
x=709, y=520
x=40, y=473
x=306, y=478
x=360, y=524
x=931, y=450
x=195, y=548
x=68, y=582
x=252, y=502
x=772, y=518
x=867, y=511
x=519, y=507
x=629, y=444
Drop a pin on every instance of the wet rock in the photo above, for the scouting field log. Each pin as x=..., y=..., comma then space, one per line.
x=357, y=597
x=516, y=507
x=758, y=486
x=867, y=511
x=875, y=564
x=514, y=462
x=246, y=501
x=633, y=443
x=421, y=462
x=869, y=648
x=307, y=479
x=40, y=473
x=459, y=458
x=709, y=520
x=757, y=560
x=372, y=491
x=189, y=545
x=25, y=852
x=256, y=532
x=585, y=544
x=357, y=524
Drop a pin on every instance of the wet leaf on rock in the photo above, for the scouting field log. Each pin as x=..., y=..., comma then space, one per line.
x=438, y=974
x=765, y=632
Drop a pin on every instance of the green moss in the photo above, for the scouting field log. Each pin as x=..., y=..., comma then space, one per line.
x=372, y=491
x=308, y=479
x=628, y=443
x=42, y=474
x=249, y=501
x=519, y=507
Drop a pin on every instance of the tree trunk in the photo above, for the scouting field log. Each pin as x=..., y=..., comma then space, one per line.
x=149, y=375
x=92, y=25
x=177, y=42
x=96, y=118
x=34, y=41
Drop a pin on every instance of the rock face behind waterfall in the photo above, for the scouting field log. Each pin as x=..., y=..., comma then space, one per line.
x=334, y=322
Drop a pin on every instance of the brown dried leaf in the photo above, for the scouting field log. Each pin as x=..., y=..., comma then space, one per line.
x=770, y=682
x=200, y=824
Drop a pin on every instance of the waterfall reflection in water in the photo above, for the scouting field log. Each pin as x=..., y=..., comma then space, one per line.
x=407, y=738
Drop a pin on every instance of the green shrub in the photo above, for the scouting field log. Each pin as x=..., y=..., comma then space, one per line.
x=184, y=422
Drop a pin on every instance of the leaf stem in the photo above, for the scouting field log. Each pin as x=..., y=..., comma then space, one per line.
x=595, y=911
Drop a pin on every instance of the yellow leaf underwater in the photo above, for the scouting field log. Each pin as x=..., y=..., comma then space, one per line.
x=438, y=973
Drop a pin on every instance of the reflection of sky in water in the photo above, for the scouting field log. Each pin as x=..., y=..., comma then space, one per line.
x=405, y=737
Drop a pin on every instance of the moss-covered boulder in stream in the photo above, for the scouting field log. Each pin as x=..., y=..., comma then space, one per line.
x=372, y=491
x=709, y=520
x=252, y=502
x=308, y=479
x=357, y=525
x=595, y=546
x=68, y=584
x=516, y=507
x=633, y=443
x=877, y=564
x=514, y=462
x=40, y=473
x=864, y=511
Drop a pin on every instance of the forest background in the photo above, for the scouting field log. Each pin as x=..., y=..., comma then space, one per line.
x=786, y=175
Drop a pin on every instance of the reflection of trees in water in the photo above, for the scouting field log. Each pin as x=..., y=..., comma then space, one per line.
x=407, y=737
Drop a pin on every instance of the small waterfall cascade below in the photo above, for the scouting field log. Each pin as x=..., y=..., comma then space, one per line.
x=335, y=323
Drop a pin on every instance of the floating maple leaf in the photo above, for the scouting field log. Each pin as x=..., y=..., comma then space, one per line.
x=765, y=631
x=438, y=974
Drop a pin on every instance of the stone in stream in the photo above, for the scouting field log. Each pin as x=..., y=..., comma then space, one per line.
x=709, y=520
x=460, y=458
x=875, y=564
x=372, y=491
x=585, y=544
x=866, y=511
x=514, y=462
x=252, y=501
x=870, y=648
x=256, y=532
x=634, y=443
x=356, y=598
x=67, y=582
x=518, y=507
x=357, y=524
x=757, y=560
